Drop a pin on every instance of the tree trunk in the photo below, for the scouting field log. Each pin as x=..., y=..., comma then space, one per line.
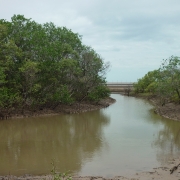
x=178, y=95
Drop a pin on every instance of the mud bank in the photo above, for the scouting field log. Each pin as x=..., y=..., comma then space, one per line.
x=77, y=107
x=170, y=110
x=159, y=173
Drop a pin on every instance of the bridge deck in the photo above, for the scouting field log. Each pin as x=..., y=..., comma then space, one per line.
x=119, y=87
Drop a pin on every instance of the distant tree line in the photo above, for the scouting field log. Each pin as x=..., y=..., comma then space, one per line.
x=163, y=82
x=42, y=65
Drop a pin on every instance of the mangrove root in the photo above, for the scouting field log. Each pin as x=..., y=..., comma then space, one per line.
x=174, y=168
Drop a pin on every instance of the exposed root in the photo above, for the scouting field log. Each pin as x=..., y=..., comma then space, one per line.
x=174, y=168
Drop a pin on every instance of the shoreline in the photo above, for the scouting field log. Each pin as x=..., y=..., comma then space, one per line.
x=158, y=173
x=75, y=108
x=170, y=110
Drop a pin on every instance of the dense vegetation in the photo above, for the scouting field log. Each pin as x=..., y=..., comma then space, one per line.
x=164, y=82
x=42, y=65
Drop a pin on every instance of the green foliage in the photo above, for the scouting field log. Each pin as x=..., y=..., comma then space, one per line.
x=152, y=87
x=8, y=98
x=164, y=82
x=98, y=93
x=62, y=95
x=46, y=64
x=58, y=175
x=147, y=83
x=169, y=80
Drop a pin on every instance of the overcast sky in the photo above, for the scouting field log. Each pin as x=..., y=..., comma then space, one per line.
x=133, y=35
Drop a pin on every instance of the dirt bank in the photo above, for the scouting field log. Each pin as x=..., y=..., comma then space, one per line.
x=170, y=110
x=159, y=173
x=76, y=107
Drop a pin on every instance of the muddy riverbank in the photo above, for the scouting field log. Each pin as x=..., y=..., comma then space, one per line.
x=169, y=110
x=77, y=107
x=157, y=173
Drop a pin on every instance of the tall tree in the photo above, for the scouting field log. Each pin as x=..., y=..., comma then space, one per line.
x=44, y=65
x=169, y=81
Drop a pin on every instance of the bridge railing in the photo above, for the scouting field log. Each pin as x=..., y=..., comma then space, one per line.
x=120, y=83
x=120, y=86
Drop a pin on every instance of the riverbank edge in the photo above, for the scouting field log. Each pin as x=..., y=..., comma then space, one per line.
x=170, y=110
x=158, y=173
x=75, y=108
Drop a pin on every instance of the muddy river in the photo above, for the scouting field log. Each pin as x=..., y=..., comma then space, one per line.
x=125, y=138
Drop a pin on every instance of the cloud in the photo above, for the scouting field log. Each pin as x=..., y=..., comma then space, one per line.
x=133, y=36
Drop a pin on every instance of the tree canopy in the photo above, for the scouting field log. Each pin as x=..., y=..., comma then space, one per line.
x=163, y=82
x=44, y=65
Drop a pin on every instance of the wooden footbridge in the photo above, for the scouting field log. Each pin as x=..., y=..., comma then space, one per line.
x=120, y=86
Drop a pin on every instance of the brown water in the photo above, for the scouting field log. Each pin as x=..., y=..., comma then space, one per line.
x=125, y=138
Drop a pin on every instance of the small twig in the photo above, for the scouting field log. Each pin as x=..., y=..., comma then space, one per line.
x=174, y=168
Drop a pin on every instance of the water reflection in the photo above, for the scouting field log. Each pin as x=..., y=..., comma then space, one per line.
x=122, y=139
x=29, y=145
x=167, y=140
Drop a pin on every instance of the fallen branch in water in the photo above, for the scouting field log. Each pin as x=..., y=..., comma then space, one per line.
x=174, y=168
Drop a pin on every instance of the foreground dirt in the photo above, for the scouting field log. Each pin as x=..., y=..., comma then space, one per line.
x=160, y=173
